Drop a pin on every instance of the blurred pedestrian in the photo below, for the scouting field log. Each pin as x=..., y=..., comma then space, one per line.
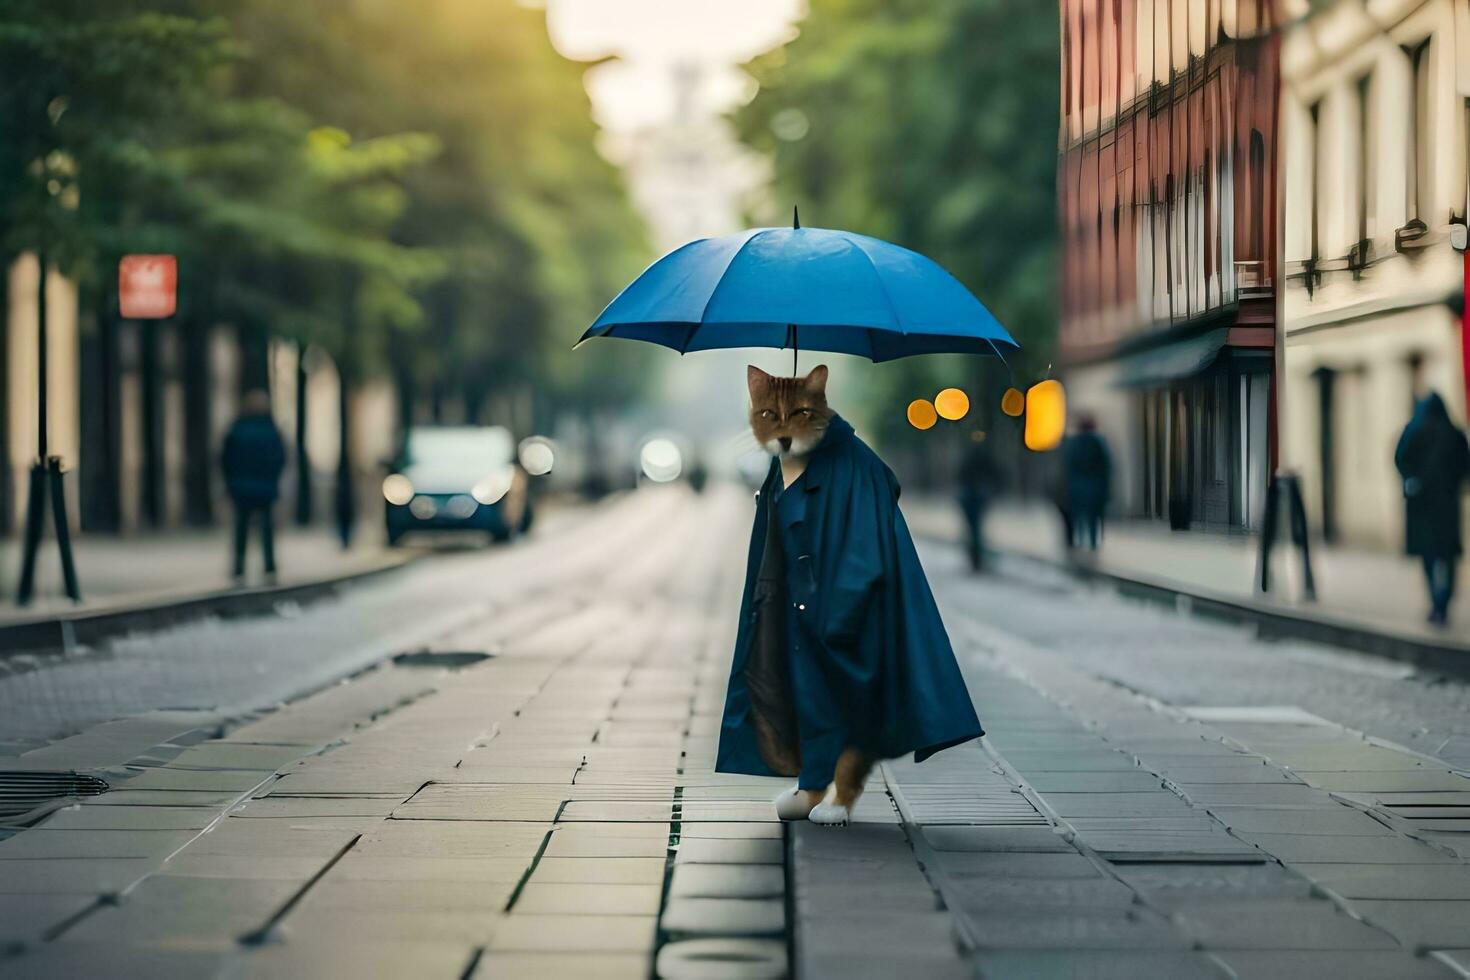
x=253, y=459
x=1088, y=475
x=1434, y=461
x=980, y=482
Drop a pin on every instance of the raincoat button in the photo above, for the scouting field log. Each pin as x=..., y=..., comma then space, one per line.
x=802, y=607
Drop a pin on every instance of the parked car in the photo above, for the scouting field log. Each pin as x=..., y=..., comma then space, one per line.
x=457, y=478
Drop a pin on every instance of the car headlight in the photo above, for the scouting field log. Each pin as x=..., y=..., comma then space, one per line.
x=398, y=489
x=493, y=487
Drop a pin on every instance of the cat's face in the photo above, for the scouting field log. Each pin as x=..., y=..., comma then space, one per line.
x=789, y=416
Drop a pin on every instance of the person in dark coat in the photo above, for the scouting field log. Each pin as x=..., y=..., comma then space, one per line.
x=1434, y=461
x=1088, y=476
x=980, y=480
x=841, y=657
x=253, y=459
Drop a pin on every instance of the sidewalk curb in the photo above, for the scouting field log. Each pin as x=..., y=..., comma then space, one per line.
x=62, y=631
x=1446, y=657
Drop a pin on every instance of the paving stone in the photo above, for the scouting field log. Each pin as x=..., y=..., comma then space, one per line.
x=1294, y=795
x=1003, y=864
x=1408, y=881
x=616, y=811
x=1278, y=923
x=715, y=829
x=1027, y=762
x=449, y=801
x=544, y=898
x=1387, y=782
x=1093, y=964
x=996, y=839
x=763, y=811
x=166, y=797
x=982, y=895
x=1346, y=850
x=1339, y=821
x=847, y=931
x=727, y=881
x=1094, y=782
x=942, y=964
x=587, y=845
x=540, y=966
x=132, y=818
x=112, y=959
x=191, y=911
x=238, y=756
x=1158, y=845
x=722, y=959
x=1196, y=821
x=1297, y=964
x=458, y=927
x=725, y=851
x=1160, y=803
x=92, y=844
x=612, y=871
x=1233, y=774
x=576, y=934
x=724, y=916
x=298, y=869
x=389, y=867
x=287, y=807
x=1419, y=924
x=323, y=959
x=1172, y=885
x=1456, y=959
x=1073, y=929
x=24, y=918
x=218, y=780
x=409, y=896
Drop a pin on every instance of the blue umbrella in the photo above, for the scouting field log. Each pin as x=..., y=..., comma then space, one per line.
x=802, y=287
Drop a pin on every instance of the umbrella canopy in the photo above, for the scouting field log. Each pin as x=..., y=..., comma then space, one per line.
x=809, y=288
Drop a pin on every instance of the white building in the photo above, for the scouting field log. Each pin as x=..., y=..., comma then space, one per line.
x=1375, y=122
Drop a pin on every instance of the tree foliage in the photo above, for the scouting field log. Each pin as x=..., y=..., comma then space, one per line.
x=410, y=185
x=930, y=123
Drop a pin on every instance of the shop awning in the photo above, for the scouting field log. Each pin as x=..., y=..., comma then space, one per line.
x=1172, y=362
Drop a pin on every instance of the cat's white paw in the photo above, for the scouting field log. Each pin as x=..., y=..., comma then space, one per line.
x=792, y=805
x=830, y=815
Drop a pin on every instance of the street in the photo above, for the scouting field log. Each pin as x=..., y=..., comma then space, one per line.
x=1157, y=795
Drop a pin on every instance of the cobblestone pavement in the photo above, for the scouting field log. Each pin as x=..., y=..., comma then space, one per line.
x=1157, y=797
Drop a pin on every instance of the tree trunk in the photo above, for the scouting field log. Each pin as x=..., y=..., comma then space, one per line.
x=7, y=486
x=101, y=418
x=151, y=384
x=199, y=457
x=346, y=510
x=303, y=464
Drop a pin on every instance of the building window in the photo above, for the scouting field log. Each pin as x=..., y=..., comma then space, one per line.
x=1416, y=190
x=1315, y=112
x=1366, y=168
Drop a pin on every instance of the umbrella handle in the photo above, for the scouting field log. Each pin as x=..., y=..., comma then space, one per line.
x=791, y=342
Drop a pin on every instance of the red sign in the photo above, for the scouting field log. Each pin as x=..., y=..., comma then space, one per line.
x=147, y=286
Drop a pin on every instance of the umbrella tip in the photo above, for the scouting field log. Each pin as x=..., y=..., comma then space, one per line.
x=795, y=217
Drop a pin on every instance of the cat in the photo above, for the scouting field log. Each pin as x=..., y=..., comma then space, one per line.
x=789, y=417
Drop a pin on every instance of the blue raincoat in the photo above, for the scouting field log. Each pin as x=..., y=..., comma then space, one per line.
x=867, y=659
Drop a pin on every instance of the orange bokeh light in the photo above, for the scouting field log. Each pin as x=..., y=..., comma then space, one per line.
x=922, y=414
x=1046, y=416
x=1013, y=403
x=952, y=404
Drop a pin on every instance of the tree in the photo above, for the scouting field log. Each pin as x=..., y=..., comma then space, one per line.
x=929, y=123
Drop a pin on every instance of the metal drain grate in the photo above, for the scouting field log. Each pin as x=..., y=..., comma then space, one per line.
x=22, y=791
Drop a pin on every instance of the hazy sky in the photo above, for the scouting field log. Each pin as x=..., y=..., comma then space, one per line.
x=650, y=37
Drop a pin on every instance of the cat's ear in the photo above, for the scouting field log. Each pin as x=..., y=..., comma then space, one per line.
x=816, y=379
x=758, y=380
